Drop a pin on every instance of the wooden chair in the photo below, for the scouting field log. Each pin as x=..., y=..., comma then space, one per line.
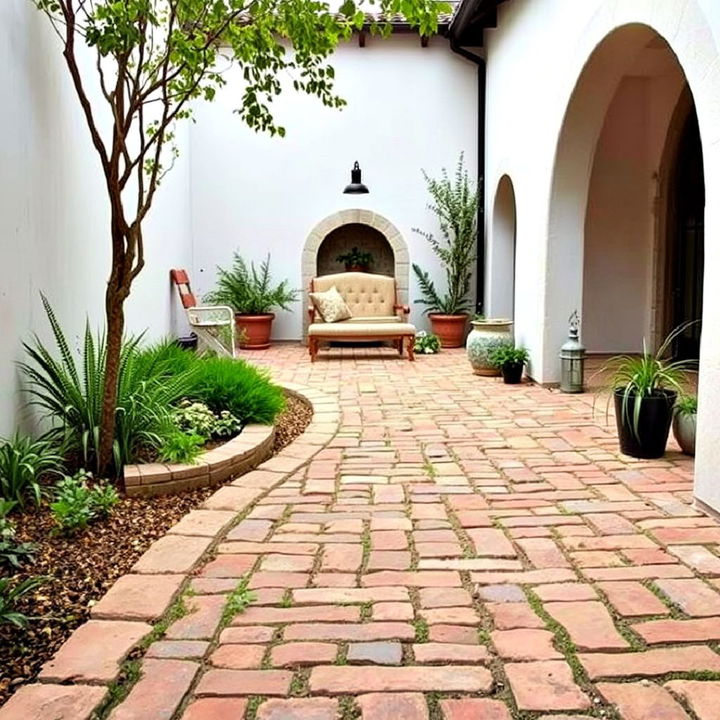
x=211, y=323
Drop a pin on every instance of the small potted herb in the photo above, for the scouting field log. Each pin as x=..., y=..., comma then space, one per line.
x=356, y=260
x=685, y=423
x=427, y=343
x=510, y=361
x=644, y=389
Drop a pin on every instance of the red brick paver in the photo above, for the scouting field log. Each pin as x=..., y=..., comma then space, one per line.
x=417, y=553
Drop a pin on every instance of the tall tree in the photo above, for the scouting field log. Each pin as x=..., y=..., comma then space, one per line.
x=137, y=66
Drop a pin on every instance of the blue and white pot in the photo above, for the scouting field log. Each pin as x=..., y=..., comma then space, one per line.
x=484, y=337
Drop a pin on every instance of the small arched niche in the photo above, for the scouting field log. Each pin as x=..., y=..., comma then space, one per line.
x=366, y=239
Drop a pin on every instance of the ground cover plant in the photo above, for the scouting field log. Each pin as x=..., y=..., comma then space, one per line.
x=157, y=385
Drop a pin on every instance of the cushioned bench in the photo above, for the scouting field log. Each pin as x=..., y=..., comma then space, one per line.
x=376, y=314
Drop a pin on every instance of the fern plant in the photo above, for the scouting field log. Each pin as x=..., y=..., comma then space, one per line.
x=455, y=203
x=249, y=291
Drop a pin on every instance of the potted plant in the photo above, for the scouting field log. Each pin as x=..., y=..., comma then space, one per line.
x=644, y=389
x=252, y=296
x=455, y=203
x=486, y=336
x=426, y=343
x=356, y=260
x=685, y=422
x=510, y=361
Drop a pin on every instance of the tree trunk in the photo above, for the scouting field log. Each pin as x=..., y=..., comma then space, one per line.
x=115, y=323
x=118, y=289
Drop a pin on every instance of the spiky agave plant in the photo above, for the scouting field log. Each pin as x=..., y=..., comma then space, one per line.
x=69, y=392
x=646, y=375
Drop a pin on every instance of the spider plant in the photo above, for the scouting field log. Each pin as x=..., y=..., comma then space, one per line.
x=651, y=374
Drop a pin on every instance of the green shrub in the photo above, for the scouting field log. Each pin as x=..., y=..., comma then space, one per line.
x=12, y=553
x=70, y=393
x=508, y=354
x=196, y=418
x=686, y=405
x=427, y=343
x=10, y=594
x=22, y=461
x=226, y=425
x=77, y=505
x=240, y=388
x=181, y=448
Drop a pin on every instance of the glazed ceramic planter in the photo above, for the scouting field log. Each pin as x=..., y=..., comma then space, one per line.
x=253, y=331
x=485, y=336
x=684, y=431
x=653, y=426
x=449, y=328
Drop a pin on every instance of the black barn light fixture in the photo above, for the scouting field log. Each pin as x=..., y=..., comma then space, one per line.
x=356, y=186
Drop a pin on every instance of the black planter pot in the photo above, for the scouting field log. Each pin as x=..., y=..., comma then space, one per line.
x=512, y=373
x=656, y=413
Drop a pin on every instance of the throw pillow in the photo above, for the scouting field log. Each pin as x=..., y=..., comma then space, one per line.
x=330, y=305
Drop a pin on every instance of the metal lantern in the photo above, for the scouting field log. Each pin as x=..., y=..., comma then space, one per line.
x=572, y=359
x=356, y=186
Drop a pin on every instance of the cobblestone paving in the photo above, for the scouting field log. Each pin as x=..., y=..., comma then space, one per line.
x=460, y=550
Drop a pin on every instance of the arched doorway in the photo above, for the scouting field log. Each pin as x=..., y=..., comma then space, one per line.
x=642, y=249
x=501, y=260
x=619, y=198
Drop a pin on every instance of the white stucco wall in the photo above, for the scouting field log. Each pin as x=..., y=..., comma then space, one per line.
x=535, y=57
x=408, y=108
x=53, y=212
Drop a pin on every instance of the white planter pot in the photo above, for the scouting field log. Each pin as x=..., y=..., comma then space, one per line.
x=484, y=337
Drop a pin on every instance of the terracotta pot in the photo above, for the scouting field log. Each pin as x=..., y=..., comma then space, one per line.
x=357, y=268
x=485, y=336
x=253, y=331
x=449, y=328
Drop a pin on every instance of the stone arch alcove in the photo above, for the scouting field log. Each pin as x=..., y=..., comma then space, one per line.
x=383, y=239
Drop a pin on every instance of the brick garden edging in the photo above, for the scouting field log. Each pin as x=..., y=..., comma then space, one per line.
x=235, y=457
x=74, y=682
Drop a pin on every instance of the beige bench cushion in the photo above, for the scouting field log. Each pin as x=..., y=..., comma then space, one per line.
x=357, y=330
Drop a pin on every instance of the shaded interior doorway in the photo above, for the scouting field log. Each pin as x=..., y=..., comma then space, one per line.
x=501, y=265
x=643, y=230
x=686, y=238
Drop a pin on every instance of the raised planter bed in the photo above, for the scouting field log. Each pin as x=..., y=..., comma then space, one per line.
x=251, y=447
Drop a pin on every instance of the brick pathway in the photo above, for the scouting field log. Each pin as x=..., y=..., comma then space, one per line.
x=460, y=549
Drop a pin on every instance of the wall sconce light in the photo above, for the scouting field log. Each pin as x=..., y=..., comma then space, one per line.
x=356, y=186
x=572, y=359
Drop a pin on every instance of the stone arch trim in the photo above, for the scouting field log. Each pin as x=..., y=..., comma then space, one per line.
x=363, y=217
